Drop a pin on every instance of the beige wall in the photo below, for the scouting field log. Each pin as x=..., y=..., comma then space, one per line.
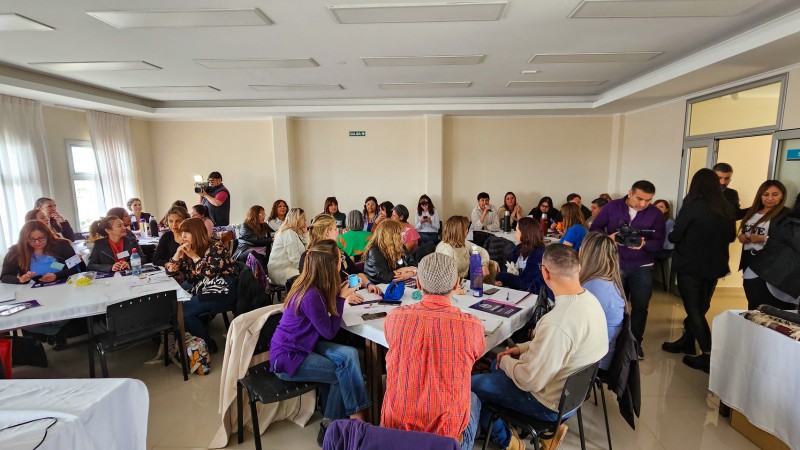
x=651, y=149
x=143, y=158
x=530, y=156
x=240, y=150
x=387, y=163
x=62, y=125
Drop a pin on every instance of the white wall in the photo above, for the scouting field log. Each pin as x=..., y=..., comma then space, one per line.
x=530, y=156
x=240, y=150
x=387, y=163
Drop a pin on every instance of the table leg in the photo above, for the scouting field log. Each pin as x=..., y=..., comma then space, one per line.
x=372, y=356
x=724, y=410
x=90, y=345
x=182, y=342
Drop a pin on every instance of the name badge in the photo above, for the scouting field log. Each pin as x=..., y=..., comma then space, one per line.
x=56, y=265
x=72, y=262
x=123, y=254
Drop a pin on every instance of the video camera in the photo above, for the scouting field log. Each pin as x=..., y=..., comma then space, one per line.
x=629, y=236
x=199, y=187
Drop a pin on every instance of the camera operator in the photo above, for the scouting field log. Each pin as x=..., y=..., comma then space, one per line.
x=636, y=261
x=215, y=196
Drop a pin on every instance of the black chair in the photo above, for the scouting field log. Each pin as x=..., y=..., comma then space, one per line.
x=598, y=383
x=423, y=250
x=263, y=386
x=136, y=320
x=576, y=388
x=479, y=237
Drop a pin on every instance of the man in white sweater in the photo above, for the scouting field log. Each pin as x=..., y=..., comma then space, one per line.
x=529, y=378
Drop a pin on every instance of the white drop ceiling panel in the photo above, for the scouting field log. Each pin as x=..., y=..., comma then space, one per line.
x=383, y=61
x=17, y=22
x=427, y=85
x=85, y=66
x=551, y=84
x=169, y=89
x=418, y=12
x=661, y=8
x=592, y=57
x=183, y=18
x=274, y=63
x=296, y=87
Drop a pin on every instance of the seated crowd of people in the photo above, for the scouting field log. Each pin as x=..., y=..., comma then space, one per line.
x=604, y=258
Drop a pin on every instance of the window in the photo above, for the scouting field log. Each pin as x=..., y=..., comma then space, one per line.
x=86, y=188
x=753, y=107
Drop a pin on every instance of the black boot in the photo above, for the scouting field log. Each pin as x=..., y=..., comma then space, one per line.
x=685, y=344
x=323, y=428
x=699, y=362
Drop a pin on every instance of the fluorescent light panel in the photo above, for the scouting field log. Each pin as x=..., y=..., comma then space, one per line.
x=551, y=84
x=384, y=61
x=170, y=89
x=78, y=66
x=18, y=22
x=296, y=87
x=278, y=63
x=642, y=9
x=545, y=58
x=530, y=72
x=418, y=12
x=426, y=85
x=183, y=18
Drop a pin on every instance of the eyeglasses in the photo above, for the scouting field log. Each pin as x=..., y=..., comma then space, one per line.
x=37, y=240
x=262, y=215
x=423, y=203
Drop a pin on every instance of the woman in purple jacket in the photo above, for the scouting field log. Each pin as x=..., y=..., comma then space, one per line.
x=313, y=310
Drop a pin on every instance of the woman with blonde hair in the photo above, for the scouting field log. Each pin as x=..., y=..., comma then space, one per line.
x=600, y=275
x=300, y=349
x=289, y=244
x=575, y=228
x=455, y=245
x=208, y=268
x=386, y=259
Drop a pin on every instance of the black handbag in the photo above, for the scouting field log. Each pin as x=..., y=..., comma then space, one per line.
x=27, y=351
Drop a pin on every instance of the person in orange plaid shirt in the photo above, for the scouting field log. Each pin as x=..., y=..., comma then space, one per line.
x=432, y=348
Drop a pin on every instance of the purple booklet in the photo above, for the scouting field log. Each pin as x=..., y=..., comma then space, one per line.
x=498, y=309
x=7, y=310
x=101, y=275
x=52, y=283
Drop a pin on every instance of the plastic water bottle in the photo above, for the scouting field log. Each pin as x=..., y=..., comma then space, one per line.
x=475, y=273
x=143, y=227
x=136, y=263
x=153, y=227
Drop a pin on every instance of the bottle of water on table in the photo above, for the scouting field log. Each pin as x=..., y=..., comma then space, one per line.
x=136, y=263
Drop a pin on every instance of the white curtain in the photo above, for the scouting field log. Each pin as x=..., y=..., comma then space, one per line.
x=111, y=139
x=23, y=164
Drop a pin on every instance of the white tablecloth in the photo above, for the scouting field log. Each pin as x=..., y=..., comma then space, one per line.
x=99, y=414
x=373, y=329
x=67, y=301
x=755, y=371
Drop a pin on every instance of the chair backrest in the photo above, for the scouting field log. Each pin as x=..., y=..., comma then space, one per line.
x=264, y=340
x=576, y=387
x=136, y=319
x=479, y=237
x=423, y=250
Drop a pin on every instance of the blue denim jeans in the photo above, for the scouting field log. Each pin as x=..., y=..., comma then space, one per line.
x=638, y=285
x=496, y=387
x=472, y=426
x=338, y=366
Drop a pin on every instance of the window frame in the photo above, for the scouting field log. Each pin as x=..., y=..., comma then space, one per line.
x=73, y=176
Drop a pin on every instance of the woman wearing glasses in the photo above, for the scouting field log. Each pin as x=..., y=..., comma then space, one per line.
x=39, y=255
x=428, y=222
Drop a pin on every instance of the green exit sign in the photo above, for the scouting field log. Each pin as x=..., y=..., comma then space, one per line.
x=358, y=133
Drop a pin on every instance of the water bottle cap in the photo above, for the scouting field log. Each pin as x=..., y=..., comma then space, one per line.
x=474, y=249
x=133, y=251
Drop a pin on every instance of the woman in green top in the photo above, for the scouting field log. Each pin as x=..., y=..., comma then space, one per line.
x=353, y=241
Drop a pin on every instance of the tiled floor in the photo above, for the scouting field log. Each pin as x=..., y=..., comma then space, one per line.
x=677, y=410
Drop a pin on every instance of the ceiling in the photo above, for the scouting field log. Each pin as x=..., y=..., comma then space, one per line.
x=735, y=39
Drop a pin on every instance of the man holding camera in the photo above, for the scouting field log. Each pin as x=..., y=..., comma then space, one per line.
x=638, y=228
x=215, y=196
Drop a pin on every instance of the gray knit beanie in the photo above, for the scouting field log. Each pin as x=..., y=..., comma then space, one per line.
x=437, y=274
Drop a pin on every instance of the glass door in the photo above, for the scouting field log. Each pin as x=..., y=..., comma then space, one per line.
x=787, y=163
x=697, y=154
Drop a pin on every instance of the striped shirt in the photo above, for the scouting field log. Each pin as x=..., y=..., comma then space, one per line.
x=432, y=348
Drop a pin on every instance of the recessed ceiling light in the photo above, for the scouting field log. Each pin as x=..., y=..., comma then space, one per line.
x=77, y=66
x=642, y=9
x=426, y=85
x=592, y=57
x=170, y=89
x=276, y=63
x=575, y=83
x=296, y=87
x=383, y=61
x=183, y=18
x=529, y=72
x=18, y=22
x=418, y=12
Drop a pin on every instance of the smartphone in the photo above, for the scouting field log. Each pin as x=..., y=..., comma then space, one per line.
x=490, y=291
x=372, y=316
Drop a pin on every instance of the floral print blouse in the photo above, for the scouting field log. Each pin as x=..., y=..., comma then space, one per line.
x=207, y=274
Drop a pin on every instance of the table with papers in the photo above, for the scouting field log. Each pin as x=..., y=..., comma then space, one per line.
x=73, y=414
x=497, y=328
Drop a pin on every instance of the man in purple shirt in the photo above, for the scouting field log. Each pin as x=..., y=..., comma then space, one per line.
x=636, y=262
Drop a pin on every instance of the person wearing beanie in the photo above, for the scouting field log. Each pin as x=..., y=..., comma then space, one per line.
x=432, y=348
